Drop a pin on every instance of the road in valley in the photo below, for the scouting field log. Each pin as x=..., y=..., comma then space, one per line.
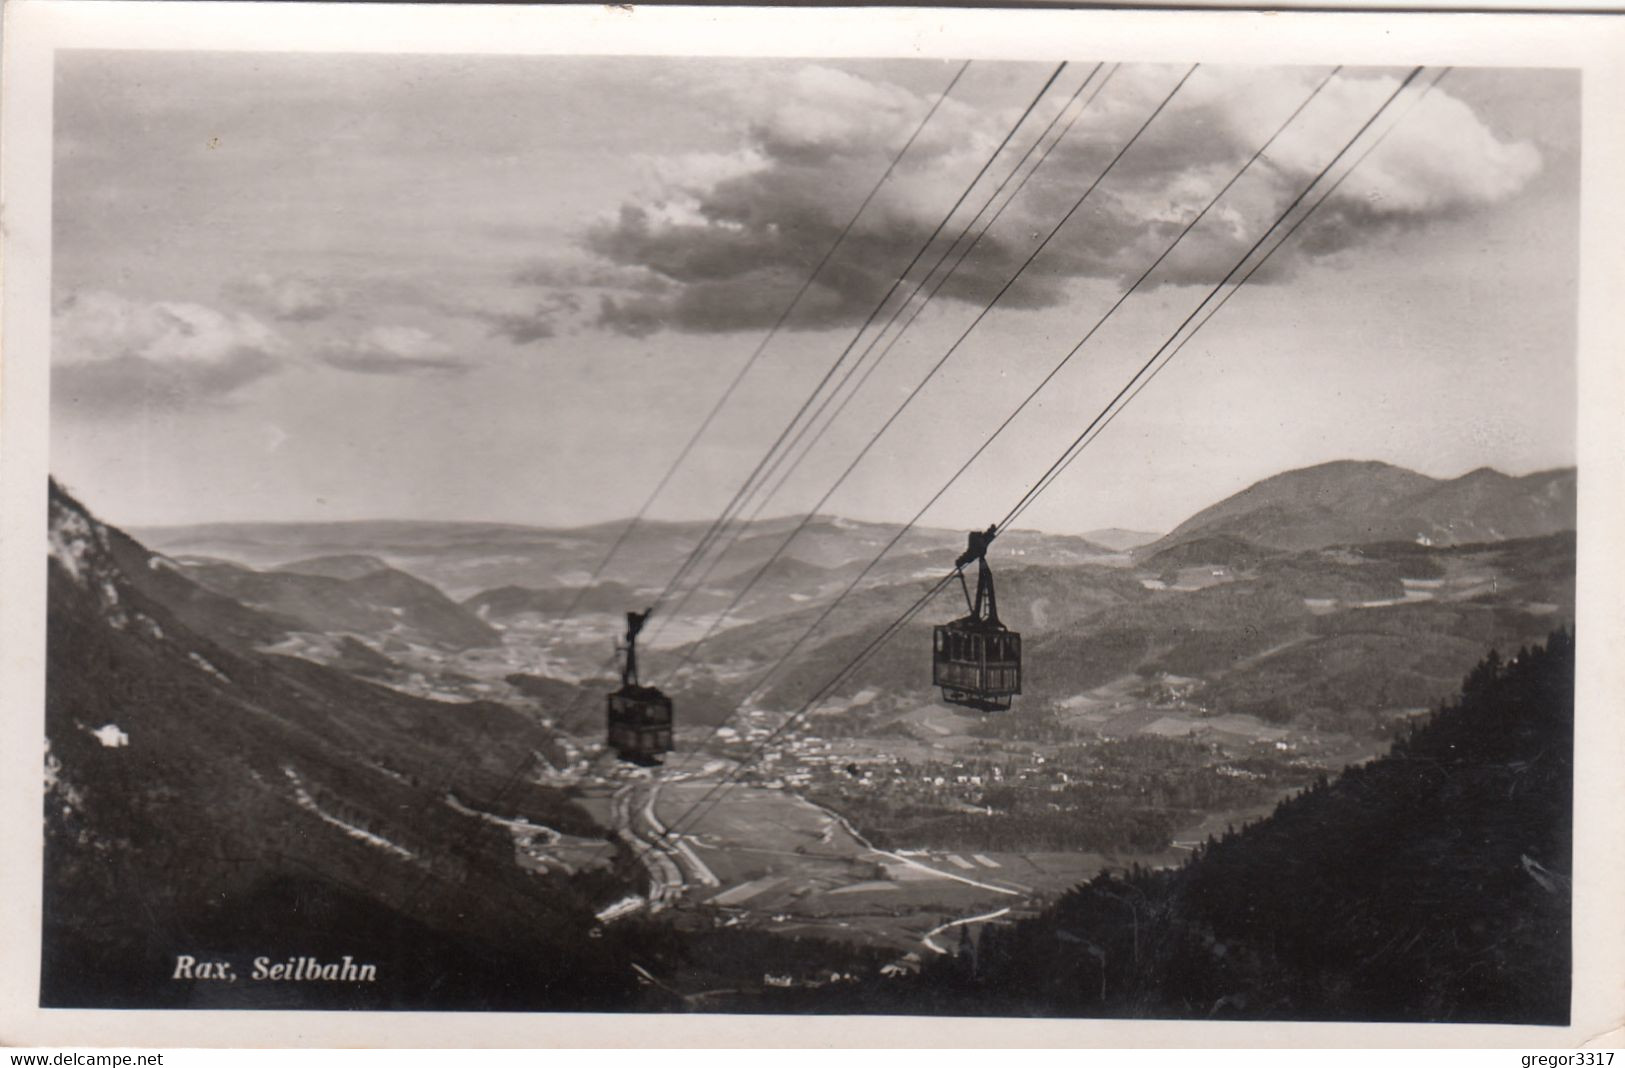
x=672, y=865
x=632, y=826
x=983, y=918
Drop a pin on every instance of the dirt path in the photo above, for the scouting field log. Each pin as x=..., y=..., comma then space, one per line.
x=929, y=937
x=666, y=882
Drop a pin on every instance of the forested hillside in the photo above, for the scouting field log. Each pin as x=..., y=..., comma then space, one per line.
x=1430, y=885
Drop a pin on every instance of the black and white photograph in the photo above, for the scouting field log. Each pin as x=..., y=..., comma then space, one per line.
x=1078, y=534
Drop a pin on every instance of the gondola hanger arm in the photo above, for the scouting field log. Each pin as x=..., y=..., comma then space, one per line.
x=977, y=549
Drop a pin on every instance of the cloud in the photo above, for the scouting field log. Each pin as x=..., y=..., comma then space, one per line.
x=568, y=290
x=722, y=241
x=112, y=353
x=523, y=328
x=394, y=350
x=291, y=298
x=1441, y=156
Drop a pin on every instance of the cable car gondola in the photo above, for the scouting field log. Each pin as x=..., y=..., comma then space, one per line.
x=639, y=716
x=977, y=660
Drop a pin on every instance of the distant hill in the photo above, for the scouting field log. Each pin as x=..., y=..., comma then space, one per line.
x=378, y=601
x=245, y=803
x=1349, y=503
x=1226, y=550
x=1340, y=596
x=465, y=559
x=1340, y=639
x=506, y=602
x=1433, y=884
x=343, y=566
x=1119, y=540
x=459, y=558
x=785, y=573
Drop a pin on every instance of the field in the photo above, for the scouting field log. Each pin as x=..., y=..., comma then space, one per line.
x=766, y=857
x=787, y=865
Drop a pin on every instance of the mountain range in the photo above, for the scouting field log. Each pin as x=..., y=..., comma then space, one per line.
x=203, y=797
x=464, y=559
x=1279, y=600
x=1353, y=503
x=201, y=753
x=1340, y=503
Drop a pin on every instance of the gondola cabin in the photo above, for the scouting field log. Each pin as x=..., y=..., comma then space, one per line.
x=639, y=717
x=640, y=724
x=976, y=660
x=978, y=668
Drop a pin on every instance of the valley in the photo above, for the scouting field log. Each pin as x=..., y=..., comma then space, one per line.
x=1175, y=689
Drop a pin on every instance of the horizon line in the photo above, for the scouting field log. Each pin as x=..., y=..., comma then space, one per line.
x=587, y=526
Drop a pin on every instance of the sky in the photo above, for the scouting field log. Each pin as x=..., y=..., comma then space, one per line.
x=307, y=287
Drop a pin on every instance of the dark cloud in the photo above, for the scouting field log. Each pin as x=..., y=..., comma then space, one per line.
x=566, y=288
x=523, y=328
x=547, y=318
x=726, y=246
x=716, y=305
x=757, y=243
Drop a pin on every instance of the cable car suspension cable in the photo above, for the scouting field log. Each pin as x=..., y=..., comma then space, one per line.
x=755, y=477
x=1069, y=454
x=1240, y=263
x=1082, y=444
x=783, y=317
x=964, y=251
x=930, y=374
x=761, y=347
x=626, y=531
x=764, y=500
x=988, y=441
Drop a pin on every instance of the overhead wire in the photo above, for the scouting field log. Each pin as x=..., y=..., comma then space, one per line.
x=1240, y=263
x=764, y=499
x=1161, y=106
x=628, y=528
x=761, y=347
x=948, y=354
x=1077, y=451
x=919, y=308
x=941, y=281
x=751, y=480
x=1073, y=450
x=1057, y=369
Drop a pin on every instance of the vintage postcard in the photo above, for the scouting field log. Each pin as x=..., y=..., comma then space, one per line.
x=1001, y=527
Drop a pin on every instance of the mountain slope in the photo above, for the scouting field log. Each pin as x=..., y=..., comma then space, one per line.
x=377, y=601
x=203, y=799
x=1350, y=502
x=506, y=602
x=340, y=566
x=1119, y=540
x=1348, y=640
x=1432, y=884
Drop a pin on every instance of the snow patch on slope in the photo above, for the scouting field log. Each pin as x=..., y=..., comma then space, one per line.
x=73, y=539
x=110, y=736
